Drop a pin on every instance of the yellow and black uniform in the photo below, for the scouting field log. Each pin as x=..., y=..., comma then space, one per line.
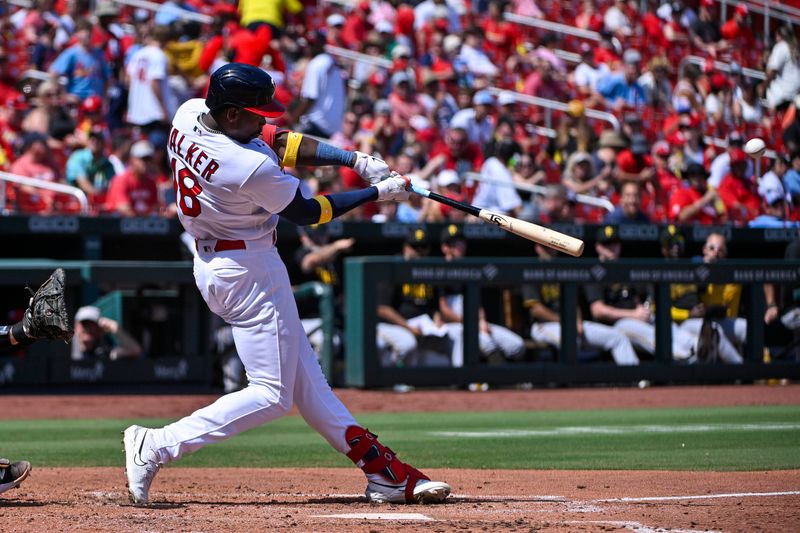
x=411, y=299
x=547, y=294
x=721, y=300
x=618, y=295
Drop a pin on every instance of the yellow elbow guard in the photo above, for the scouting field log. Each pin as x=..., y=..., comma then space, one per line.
x=325, y=209
x=292, y=148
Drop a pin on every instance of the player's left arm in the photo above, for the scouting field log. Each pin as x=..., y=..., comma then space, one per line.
x=323, y=208
x=295, y=149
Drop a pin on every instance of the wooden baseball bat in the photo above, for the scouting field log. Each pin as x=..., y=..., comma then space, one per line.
x=527, y=230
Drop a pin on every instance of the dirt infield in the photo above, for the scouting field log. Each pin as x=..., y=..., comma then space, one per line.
x=330, y=500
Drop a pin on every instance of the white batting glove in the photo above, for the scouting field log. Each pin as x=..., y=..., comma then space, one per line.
x=395, y=188
x=370, y=168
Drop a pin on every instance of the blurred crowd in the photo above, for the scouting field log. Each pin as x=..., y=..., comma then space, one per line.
x=441, y=89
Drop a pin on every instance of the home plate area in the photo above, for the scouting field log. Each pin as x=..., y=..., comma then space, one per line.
x=252, y=500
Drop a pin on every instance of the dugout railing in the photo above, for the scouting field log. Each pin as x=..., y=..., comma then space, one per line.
x=364, y=276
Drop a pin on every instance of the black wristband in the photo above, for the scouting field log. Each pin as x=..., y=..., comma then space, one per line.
x=18, y=332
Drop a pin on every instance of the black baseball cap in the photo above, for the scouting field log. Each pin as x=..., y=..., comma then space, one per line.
x=417, y=237
x=695, y=169
x=671, y=235
x=608, y=234
x=451, y=233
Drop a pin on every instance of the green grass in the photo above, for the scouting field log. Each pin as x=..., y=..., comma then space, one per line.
x=740, y=438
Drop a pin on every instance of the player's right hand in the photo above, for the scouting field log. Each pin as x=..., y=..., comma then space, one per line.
x=370, y=168
x=395, y=187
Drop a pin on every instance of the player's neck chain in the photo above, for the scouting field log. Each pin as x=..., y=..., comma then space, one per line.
x=201, y=120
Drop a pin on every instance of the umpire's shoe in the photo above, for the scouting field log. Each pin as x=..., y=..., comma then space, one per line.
x=12, y=474
x=141, y=463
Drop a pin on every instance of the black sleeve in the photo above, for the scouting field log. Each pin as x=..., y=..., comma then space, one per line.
x=530, y=294
x=306, y=211
x=593, y=292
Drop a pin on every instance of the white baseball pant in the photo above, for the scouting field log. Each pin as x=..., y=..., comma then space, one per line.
x=511, y=345
x=595, y=335
x=727, y=328
x=685, y=337
x=250, y=290
x=403, y=344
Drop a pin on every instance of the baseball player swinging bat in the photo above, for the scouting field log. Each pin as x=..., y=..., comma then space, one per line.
x=532, y=232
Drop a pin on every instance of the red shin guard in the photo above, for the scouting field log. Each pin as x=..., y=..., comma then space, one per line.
x=375, y=458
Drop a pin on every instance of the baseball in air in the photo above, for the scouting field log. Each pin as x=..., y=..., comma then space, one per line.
x=755, y=147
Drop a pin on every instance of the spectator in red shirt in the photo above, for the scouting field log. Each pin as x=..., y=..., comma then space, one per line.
x=35, y=162
x=635, y=163
x=695, y=202
x=134, y=192
x=234, y=43
x=455, y=153
x=736, y=30
x=356, y=26
x=437, y=59
x=502, y=36
x=737, y=193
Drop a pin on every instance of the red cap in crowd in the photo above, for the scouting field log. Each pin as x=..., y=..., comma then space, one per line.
x=428, y=135
x=661, y=148
x=741, y=9
x=17, y=102
x=719, y=81
x=222, y=9
x=738, y=156
x=677, y=139
x=405, y=20
x=92, y=104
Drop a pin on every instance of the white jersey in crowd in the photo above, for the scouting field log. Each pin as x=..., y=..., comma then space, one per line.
x=497, y=197
x=324, y=83
x=146, y=65
x=226, y=189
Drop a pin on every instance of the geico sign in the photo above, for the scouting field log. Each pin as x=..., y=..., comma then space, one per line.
x=639, y=232
x=54, y=224
x=144, y=225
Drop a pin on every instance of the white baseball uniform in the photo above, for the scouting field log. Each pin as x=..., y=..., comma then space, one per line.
x=228, y=194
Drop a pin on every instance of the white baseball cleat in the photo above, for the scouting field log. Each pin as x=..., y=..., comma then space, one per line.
x=12, y=474
x=425, y=491
x=141, y=464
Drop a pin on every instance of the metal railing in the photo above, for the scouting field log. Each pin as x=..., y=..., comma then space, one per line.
x=43, y=184
x=540, y=190
x=556, y=27
x=179, y=12
x=719, y=65
x=560, y=106
x=358, y=56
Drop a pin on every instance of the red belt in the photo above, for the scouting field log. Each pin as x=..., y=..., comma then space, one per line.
x=223, y=245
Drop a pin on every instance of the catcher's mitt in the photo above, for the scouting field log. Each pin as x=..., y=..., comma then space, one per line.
x=46, y=316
